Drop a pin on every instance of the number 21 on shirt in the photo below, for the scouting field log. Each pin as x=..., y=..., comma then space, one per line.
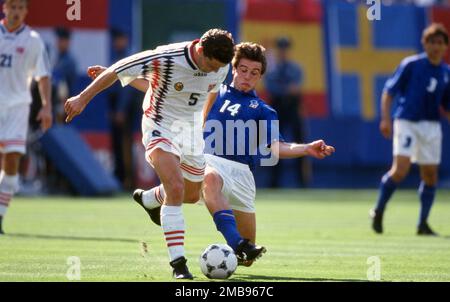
x=5, y=60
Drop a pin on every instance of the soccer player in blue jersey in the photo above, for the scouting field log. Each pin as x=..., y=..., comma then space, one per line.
x=422, y=85
x=229, y=186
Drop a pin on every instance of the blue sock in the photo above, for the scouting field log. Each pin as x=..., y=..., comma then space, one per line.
x=226, y=224
x=426, y=194
x=387, y=188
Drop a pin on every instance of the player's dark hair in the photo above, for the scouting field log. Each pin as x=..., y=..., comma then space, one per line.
x=27, y=2
x=434, y=30
x=252, y=52
x=218, y=44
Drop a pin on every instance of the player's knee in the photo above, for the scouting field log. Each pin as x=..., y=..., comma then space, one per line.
x=430, y=178
x=212, y=182
x=399, y=173
x=9, y=183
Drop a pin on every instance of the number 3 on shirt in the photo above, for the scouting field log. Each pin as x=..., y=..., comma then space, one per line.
x=5, y=60
x=233, y=109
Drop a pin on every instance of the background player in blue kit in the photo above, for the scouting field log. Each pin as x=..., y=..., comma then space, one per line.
x=422, y=83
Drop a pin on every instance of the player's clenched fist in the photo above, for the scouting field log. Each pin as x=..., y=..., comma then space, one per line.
x=319, y=149
x=45, y=117
x=74, y=106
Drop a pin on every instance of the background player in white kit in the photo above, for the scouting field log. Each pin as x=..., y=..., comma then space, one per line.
x=181, y=77
x=22, y=56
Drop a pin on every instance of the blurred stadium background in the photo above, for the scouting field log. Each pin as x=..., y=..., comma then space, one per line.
x=346, y=60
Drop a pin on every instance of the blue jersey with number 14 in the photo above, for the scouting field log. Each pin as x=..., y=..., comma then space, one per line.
x=421, y=87
x=235, y=113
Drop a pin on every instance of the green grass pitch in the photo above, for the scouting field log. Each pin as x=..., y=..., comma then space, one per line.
x=321, y=235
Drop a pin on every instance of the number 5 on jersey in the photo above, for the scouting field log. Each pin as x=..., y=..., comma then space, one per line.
x=193, y=99
x=234, y=109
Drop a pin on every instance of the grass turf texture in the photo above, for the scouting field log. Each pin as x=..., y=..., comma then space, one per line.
x=310, y=236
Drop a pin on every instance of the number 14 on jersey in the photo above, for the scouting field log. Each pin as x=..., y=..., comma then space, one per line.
x=234, y=109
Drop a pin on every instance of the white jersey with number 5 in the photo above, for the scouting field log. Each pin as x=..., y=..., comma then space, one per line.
x=178, y=88
x=22, y=56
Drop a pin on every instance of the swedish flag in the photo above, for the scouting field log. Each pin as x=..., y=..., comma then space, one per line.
x=361, y=54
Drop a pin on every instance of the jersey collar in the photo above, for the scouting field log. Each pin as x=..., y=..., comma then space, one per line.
x=5, y=30
x=251, y=93
x=425, y=56
x=189, y=54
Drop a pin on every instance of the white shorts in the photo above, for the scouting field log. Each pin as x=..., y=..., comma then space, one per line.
x=420, y=141
x=14, y=128
x=187, y=146
x=238, y=182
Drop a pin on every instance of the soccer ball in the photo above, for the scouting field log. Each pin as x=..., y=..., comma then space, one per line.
x=218, y=261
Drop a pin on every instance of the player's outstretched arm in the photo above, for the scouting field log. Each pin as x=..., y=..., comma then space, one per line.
x=140, y=84
x=317, y=149
x=75, y=105
x=45, y=113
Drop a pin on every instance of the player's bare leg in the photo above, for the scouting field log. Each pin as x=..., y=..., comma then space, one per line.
x=225, y=220
x=212, y=192
x=9, y=182
x=399, y=170
x=246, y=223
x=427, y=191
x=153, y=199
x=167, y=166
x=191, y=191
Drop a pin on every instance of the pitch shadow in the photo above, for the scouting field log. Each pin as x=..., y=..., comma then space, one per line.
x=75, y=238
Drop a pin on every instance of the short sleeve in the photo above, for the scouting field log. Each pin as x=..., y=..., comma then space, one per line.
x=134, y=66
x=398, y=81
x=271, y=126
x=42, y=63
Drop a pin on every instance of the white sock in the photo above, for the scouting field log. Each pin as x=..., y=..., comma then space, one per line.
x=153, y=198
x=8, y=186
x=172, y=222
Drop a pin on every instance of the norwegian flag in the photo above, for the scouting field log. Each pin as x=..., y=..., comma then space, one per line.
x=20, y=50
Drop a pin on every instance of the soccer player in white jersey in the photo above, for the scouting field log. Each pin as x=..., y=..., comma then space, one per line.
x=22, y=56
x=181, y=77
